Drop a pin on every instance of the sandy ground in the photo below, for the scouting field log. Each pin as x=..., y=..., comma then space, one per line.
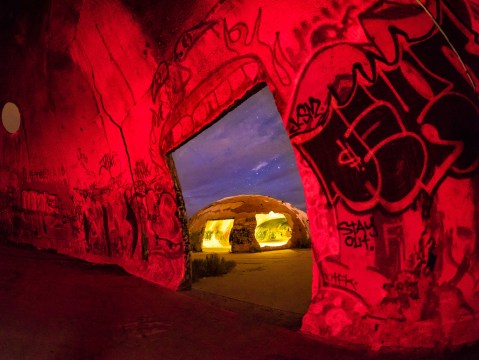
x=279, y=279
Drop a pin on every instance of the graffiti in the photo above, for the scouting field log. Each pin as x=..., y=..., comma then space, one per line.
x=189, y=38
x=400, y=294
x=7, y=198
x=104, y=234
x=86, y=229
x=7, y=205
x=93, y=192
x=408, y=294
x=159, y=79
x=177, y=73
x=106, y=230
x=39, y=175
x=83, y=160
x=40, y=202
x=40, y=213
x=141, y=188
x=160, y=211
x=186, y=102
x=131, y=218
x=236, y=39
x=423, y=259
x=345, y=15
x=383, y=133
x=358, y=233
x=310, y=112
x=177, y=76
x=45, y=175
x=81, y=156
x=142, y=170
x=108, y=161
x=340, y=280
x=390, y=247
x=100, y=220
x=148, y=219
x=93, y=229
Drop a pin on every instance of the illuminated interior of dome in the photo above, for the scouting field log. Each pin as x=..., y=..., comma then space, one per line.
x=217, y=235
x=272, y=229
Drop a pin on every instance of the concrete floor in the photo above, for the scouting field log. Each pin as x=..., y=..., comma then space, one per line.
x=55, y=307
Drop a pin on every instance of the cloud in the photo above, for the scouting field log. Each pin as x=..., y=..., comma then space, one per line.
x=260, y=166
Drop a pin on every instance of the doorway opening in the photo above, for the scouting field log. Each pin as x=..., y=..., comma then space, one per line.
x=216, y=237
x=272, y=229
x=247, y=154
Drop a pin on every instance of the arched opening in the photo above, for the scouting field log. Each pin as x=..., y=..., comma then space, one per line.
x=272, y=229
x=247, y=153
x=216, y=236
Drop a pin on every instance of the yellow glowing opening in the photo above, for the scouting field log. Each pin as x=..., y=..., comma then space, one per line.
x=272, y=229
x=217, y=235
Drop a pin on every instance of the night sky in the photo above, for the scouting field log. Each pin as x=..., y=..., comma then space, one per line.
x=245, y=152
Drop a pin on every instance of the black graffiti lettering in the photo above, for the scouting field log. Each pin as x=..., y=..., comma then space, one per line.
x=142, y=169
x=345, y=228
x=358, y=233
x=371, y=227
x=107, y=162
x=340, y=280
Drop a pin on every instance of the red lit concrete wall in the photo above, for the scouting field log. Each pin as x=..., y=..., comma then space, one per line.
x=379, y=99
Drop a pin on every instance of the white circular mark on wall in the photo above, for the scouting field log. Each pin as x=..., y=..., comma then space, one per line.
x=11, y=117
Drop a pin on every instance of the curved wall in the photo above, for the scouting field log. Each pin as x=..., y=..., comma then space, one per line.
x=379, y=99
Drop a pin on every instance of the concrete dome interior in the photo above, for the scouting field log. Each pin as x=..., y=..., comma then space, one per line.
x=379, y=101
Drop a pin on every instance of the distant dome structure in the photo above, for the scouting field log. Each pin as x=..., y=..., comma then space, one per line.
x=247, y=223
